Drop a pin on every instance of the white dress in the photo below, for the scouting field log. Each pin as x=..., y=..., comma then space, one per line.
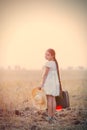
x=51, y=85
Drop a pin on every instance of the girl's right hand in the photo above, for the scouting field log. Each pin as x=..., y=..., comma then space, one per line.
x=39, y=88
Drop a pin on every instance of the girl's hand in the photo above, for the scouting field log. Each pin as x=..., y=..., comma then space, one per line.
x=60, y=90
x=39, y=88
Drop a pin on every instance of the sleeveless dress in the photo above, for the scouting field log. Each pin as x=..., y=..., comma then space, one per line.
x=51, y=85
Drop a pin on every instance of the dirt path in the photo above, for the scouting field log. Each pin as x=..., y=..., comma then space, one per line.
x=32, y=119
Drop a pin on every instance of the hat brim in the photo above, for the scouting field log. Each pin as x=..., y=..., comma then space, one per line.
x=39, y=98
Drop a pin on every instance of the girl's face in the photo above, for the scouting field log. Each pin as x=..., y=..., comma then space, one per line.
x=48, y=56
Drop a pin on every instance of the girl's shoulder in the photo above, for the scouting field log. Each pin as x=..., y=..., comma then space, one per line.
x=50, y=63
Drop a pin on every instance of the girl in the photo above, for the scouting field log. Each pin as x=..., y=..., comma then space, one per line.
x=51, y=82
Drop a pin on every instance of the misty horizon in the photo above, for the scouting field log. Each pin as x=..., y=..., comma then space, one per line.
x=19, y=67
x=29, y=29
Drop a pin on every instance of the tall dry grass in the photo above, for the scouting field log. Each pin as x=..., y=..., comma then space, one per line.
x=16, y=87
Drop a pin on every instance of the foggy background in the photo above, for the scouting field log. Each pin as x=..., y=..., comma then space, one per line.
x=28, y=28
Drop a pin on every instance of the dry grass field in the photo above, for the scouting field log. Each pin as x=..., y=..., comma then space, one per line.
x=18, y=113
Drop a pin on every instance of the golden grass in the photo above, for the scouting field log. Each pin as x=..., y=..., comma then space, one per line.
x=16, y=87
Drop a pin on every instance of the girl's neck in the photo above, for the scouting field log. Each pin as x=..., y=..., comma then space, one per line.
x=52, y=60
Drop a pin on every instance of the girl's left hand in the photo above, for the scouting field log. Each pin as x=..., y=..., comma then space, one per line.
x=60, y=92
x=60, y=89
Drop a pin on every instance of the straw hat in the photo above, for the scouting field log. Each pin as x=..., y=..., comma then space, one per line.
x=39, y=98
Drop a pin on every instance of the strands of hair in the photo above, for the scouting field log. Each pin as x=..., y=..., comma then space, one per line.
x=52, y=52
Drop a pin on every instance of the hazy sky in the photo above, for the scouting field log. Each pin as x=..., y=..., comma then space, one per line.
x=28, y=29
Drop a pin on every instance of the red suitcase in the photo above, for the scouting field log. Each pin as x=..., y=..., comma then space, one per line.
x=63, y=100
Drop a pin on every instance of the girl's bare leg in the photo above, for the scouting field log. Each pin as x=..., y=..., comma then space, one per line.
x=54, y=106
x=50, y=105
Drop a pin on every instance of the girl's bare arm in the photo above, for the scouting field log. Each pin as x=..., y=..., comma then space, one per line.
x=44, y=76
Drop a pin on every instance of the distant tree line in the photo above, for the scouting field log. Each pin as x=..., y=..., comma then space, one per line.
x=19, y=68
